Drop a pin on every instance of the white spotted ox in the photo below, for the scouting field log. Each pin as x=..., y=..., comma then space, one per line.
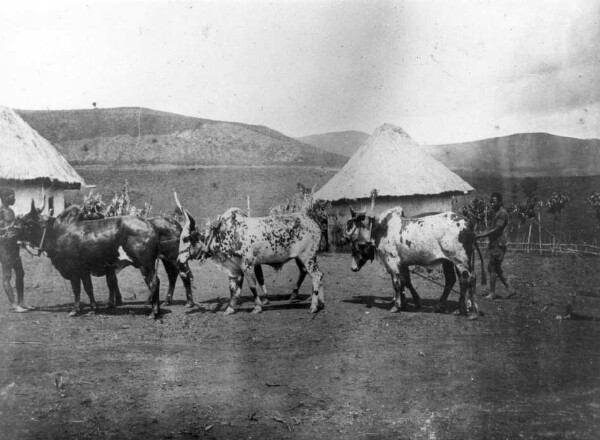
x=427, y=240
x=239, y=244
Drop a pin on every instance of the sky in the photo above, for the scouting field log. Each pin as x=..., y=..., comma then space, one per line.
x=444, y=71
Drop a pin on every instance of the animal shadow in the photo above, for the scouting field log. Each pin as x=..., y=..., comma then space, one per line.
x=385, y=303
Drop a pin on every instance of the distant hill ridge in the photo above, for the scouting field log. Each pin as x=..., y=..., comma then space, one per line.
x=520, y=155
x=342, y=142
x=133, y=135
x=517, y=155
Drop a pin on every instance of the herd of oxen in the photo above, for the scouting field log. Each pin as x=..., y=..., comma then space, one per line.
x=79, y=248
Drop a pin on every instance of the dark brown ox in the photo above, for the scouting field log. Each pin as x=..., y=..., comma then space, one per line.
x=169, y=231
x=79, y=249
x=239, y=244
x=398, y=243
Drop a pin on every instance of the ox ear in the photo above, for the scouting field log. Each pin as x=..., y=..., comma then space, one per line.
x=33, y=213
x=352, y=212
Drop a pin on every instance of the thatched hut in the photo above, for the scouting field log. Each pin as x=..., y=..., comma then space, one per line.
x=31, y=165
x=401, y=173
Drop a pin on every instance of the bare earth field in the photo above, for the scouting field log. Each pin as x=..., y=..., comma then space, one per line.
x=353, y=371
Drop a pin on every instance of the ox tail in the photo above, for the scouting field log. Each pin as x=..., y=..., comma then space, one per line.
x=483, y=276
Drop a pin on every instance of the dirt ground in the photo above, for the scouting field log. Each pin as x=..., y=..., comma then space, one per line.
x=353, y=371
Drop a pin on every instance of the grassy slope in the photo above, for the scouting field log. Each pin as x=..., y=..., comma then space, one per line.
x=135, y=135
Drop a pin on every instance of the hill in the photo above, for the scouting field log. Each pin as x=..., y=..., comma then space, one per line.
x=145, y=136
x=520, y=155
x=343, y=142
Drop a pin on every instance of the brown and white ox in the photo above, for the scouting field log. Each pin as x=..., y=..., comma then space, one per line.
x=239, y=244
x=429, y=240
x=80, y=248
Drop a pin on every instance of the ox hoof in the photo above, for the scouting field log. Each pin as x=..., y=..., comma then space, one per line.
x=119, y=302
x=229, y=311
x=189, y=304
x=472, y=317
x=153, y=315
x=167, y=302
x=417, y=305
x=257, y=310
x=441, y=309
x=395, y=309
x=294, y=297
x=73, y=313
x=315, y=309
x=265, y=301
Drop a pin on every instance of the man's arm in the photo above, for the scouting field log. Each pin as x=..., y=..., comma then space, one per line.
x=496, y=231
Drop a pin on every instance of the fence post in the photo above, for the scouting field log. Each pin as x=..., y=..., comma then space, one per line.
x=540, y=230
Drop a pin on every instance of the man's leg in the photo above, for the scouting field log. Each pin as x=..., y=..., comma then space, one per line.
x=7, y=269
x=20, y=282
x=493, y=272
x=500, y=273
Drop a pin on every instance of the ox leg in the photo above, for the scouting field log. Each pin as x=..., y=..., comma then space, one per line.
x=186, y=278
x=114, y=294
x=258, y=273
x=450, y=276
x=250, y=274
x=89, y=289
x=318, y=297
x=153, y=283
x=399, y=296
x=172, y=281
x=467, y=304
x=302, y=272
x=235, y=293
x=408, y=283
x=76, y=286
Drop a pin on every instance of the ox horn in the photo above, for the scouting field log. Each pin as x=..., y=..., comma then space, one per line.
x=188, y=219
x=177, y=201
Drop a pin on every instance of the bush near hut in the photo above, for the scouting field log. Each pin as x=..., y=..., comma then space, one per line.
x=94, y=207
x=476, y=211
x=594, y=202
x=527, y=210
x=304, y=202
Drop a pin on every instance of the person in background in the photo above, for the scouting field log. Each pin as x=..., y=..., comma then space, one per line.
x=10, y=260
x=497, y=237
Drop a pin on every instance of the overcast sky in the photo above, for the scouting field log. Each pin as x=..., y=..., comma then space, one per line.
x=445, y=71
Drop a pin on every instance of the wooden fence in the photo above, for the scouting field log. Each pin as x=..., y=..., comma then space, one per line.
x=555, y=248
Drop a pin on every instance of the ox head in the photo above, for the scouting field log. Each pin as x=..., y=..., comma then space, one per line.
x=358, y=232
x=32, y=227
x=191, y=241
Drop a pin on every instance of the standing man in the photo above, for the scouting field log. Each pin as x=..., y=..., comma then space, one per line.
x=9, y=252
x=497, y=236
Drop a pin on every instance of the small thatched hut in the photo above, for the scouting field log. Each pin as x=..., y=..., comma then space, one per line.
x=401, y=173
x=31, y=165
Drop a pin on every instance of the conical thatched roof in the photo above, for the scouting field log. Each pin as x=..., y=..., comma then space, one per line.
x=26, y=156
x=390, y=162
